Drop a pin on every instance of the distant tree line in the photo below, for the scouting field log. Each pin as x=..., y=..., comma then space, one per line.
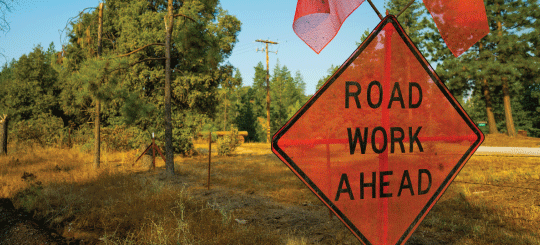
x=47, y=93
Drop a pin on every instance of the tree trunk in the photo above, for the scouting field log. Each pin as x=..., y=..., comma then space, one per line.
x=97, y=150
x=489, y=108
x=97, y=119
x=225, y=119
x=508, y=110
x=169, y=156
x=4, y=120
x=511, y=131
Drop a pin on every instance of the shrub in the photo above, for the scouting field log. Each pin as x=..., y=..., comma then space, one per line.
x=45, y=130
x=228, y=143
x=120, y=137
x=182, y=140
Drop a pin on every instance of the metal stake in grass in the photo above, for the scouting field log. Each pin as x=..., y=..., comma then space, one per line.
x=209, y=155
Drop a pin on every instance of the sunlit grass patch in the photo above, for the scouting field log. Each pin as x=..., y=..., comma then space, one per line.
x=502, y=140
x=492, y=200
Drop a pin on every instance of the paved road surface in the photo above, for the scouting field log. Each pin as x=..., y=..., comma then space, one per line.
x=485, y=150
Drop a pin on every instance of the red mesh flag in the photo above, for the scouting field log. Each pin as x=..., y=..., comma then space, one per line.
x=461, y=23
x=316, y=22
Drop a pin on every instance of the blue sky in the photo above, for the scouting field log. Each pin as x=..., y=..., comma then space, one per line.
x=36, y=22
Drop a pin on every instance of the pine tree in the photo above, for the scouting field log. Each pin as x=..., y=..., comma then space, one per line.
x=286, y=92
x=498, y=63
x=331, y=72
x=134, y=47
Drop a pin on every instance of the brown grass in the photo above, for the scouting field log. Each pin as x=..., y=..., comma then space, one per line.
x=121, y=204
x=503, y=140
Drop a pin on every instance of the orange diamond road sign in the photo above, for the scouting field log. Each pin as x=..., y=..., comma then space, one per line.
x=382, y=139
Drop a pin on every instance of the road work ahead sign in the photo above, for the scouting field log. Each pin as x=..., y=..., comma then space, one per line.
x=381, y=140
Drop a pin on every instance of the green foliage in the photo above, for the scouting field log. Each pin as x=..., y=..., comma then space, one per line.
x=121, y=137
x=285, y=91
x=229, y=99
x=228, y=143
x=323, y=80
x=507, y=53
x=246, y=119
x=44, y=130
x=362, y=38
x=29, y=87
x=131, y=87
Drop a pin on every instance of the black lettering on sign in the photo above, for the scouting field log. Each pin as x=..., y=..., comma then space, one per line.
x=369, y=101
x=383, y=183
x=406, y=184
x=395, y=96
x=373, y=142
x=382, y=146
x=352, y=94
x=357, y=137
x=417, y=104
x=399, y=97
x=372, y=185
x=426, y=172
x=344, y=180
x=394, y=139
x=414, y=138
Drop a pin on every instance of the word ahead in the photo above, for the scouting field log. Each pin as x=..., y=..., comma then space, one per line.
x=406, y=184
x=397, y=134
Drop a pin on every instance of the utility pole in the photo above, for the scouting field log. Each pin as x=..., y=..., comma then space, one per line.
x=267, y=89
x=97, y=116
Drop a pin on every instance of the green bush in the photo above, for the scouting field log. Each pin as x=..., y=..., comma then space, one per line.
x=121, y=138
x=228, y=143
x=45, y=130
x=182, y=140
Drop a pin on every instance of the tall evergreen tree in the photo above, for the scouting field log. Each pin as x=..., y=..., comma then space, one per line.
x=286, y=92
x=331, y=72
x=499, y=61
x=134, y=32
x=246, y=120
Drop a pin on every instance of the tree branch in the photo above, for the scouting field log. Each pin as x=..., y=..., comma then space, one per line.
x=176, y=15
x=139, y=49
x=134, y=63
x=147, y=59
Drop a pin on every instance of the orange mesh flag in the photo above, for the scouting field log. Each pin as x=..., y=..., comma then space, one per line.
x=461, y=23
x=317, y=22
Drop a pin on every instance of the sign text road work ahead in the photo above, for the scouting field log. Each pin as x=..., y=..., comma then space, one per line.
x=381, y=140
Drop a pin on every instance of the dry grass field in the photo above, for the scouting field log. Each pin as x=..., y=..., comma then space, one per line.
x=254, y=199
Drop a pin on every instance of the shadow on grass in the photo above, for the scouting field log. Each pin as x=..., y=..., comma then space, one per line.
x=136, y=208
x=457, y=220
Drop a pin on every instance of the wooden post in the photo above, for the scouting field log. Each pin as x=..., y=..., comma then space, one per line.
x=267, y=89
x=209, y=155
x=4, y=134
